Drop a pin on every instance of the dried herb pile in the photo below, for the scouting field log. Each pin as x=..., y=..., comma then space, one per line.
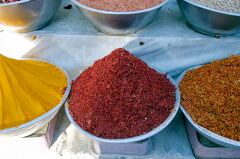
x=120, y=97
x=211, y=95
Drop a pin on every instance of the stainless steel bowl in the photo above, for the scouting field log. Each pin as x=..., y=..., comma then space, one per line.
x=209, y=21
x=35, y=125
x=119, y=23
x=136, y=138
x=211, y=136
x=27, y=15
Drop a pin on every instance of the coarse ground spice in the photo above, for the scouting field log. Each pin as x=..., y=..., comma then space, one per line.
x=232, y=6
x=211, y=95
x=120, y=5
x=121, y=97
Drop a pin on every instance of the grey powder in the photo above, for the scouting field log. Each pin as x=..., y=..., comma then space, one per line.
x=232, y=6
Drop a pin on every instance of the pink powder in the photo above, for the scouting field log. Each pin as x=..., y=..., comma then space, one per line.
x=8, y=1
x=120, y=5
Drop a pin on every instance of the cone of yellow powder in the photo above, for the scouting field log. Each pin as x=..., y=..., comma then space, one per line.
x=31, y=93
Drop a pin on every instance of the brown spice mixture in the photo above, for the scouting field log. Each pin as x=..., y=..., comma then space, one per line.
x=120, y=5
x=211, y=95
x=120, y=97
x=8, y=1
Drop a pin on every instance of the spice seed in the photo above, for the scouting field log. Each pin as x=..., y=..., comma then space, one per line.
x=141, y=43
x=69, y=6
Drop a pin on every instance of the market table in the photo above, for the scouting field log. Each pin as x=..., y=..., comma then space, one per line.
x=71, y=42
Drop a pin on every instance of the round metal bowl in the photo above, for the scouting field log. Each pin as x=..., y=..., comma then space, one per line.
x=203, y=131
x=38, y=123
x=132, y=139
x=27, y=15
x=209, y=21
x=119, y=23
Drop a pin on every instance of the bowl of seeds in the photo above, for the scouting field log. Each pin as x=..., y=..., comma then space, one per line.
x=212, y=17
x=27, y=15
x=210, y=100
x=116, y=17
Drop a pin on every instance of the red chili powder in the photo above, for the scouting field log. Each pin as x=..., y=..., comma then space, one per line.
x=121, y=97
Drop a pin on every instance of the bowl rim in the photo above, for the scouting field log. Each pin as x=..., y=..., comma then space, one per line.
x=204, y=131
x=142, y=137
x=14, y=3
x=211, y=9
x=48, y=113
x=76, y=2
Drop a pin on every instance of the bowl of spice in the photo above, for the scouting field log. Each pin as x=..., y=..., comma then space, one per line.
x=26, y=15
x=210, y=98
x=31, y=93
x=120, y=99
x=119, y=17
x=212, y=17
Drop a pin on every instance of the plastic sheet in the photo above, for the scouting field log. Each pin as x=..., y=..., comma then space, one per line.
x=71, y=42
x=173, y=55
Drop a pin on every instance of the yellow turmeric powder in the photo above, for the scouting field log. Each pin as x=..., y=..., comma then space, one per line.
x=28, y=89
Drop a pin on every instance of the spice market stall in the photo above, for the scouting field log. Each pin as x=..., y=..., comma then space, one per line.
x=166, y=45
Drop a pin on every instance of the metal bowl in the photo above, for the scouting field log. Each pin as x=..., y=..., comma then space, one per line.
x=38, y=123
x=27, y=15
x=203, y=131
x=132, y=139
x=119, y=23
x=209, y=21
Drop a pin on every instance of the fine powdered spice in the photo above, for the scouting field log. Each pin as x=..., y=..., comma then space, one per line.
x=211, y=95
x=28, y=89
x=232, y=6
x=8, y=1
x=120, y=5
x=121, y=97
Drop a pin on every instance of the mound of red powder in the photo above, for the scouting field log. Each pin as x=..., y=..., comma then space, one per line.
x=121, y=97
